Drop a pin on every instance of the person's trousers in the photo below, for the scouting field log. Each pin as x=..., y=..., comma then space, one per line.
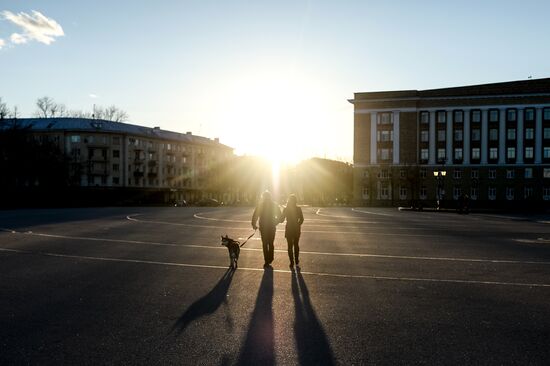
x=268, y=237
x=293, y=249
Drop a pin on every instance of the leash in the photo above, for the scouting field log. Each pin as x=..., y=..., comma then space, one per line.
x=244, y=242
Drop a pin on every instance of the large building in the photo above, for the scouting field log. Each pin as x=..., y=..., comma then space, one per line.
x=489, y=142
x=180, y=166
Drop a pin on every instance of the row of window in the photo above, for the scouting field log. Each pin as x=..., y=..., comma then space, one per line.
x=458, y=192
x=457, y=173
x=458, y=135
x=476, y=153
x=475, y=115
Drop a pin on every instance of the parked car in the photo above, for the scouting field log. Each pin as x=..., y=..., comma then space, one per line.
x=209, y=202
x=181, y=203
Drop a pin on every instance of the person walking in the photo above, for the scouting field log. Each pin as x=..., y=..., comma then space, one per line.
x=294, y=220
x=268, y=214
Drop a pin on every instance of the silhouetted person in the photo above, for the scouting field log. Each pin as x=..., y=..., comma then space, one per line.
x=294, y=219
x=268, y=214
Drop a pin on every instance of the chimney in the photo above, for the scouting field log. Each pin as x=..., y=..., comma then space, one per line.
x=188, y=133
x=156, y=128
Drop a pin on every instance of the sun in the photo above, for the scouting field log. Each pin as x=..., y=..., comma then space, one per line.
x=271, y=113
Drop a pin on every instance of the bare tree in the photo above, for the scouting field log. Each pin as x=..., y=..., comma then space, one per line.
x=3, y=109
x=44, y=106
x=112, y=113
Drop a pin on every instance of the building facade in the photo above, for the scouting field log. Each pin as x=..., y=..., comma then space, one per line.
x=120, y=155
x=488, y=142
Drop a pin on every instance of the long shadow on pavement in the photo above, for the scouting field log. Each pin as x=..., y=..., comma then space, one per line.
x=208, y=304
x=311, y=341
x=258, y=348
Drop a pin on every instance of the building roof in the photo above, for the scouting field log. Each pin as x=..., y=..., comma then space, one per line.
x=530, y=86
x=97, y=125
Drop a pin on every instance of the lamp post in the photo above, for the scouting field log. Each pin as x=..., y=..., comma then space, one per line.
x=439, y=175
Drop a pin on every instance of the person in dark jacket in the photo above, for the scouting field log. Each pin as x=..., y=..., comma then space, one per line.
x=268, y=214
x=294, y=220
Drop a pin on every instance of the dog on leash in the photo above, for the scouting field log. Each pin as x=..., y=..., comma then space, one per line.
x=234, y=249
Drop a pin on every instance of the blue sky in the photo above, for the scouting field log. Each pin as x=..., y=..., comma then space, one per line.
x=266, y=77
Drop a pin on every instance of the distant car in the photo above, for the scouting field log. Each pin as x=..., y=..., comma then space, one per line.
x=210, y=202
x=181, y=203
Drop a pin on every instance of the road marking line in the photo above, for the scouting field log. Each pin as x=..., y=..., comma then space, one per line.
x=371, y=213
x=338, y=275
x=132, y=218
x=358, y=255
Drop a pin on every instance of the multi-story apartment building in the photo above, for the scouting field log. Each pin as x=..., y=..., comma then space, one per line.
x=120, y=155
x=489, y=142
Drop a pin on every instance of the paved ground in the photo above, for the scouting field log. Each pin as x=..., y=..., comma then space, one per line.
x=377, y=286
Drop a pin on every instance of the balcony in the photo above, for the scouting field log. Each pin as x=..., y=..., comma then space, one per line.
x=138, y=174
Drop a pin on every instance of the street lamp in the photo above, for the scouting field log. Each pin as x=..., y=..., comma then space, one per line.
x=439, y=174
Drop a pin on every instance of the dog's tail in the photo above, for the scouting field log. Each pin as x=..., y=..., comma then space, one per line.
x=251, y=235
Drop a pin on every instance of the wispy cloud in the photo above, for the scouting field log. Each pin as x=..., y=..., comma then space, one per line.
x=93, y=96
x=2, y=43
x=34, y=27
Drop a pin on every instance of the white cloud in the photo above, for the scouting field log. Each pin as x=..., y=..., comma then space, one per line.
x=93, y=96
x=2, y=43
x=35, y=26
x=18, y=38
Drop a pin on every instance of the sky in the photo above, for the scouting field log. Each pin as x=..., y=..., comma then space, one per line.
x=269, y=78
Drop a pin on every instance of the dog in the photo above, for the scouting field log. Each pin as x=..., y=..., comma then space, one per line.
x=234, y=249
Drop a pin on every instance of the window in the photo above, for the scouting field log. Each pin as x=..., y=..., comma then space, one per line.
x=75, y=138
x=402, y=173
x=366, y=174
x=511, y=134
x=546, y=193
x=511, y=115
x=492, y=174
x=476, y=134
x=546, y=114
x=384, y=193
x=509, y=193
x=458, y=153
x=116, y=167
x=529, y=152
x=441, y=135
x=116, y=180
x=458, y=116
x=511, y=153
x=422, y=173
x=385, y=136
x=457, y=174
x=474, y=192
x=476, y=116
x=116, y=153
x=424, y=117
x=385, y=118
x=116, y=140
x=457, y=192
x=528, y=192
x=383, y=174
x=546, y=152
x=424, y=136
x=474, y=174
x=529, y=133
x=528, y=173
x=492, y=194
x=458, y=135
x=475, y=153
x=440, y=154
x=493, y=153
x=529, y=114
x=546, y=173
x=423, y=192
x=493, y=115
x=441, y=116
x=493, y=134
x=402, y=193
x=510, y=173
x=384, y=154
x=365, y=192
x=547, y=133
